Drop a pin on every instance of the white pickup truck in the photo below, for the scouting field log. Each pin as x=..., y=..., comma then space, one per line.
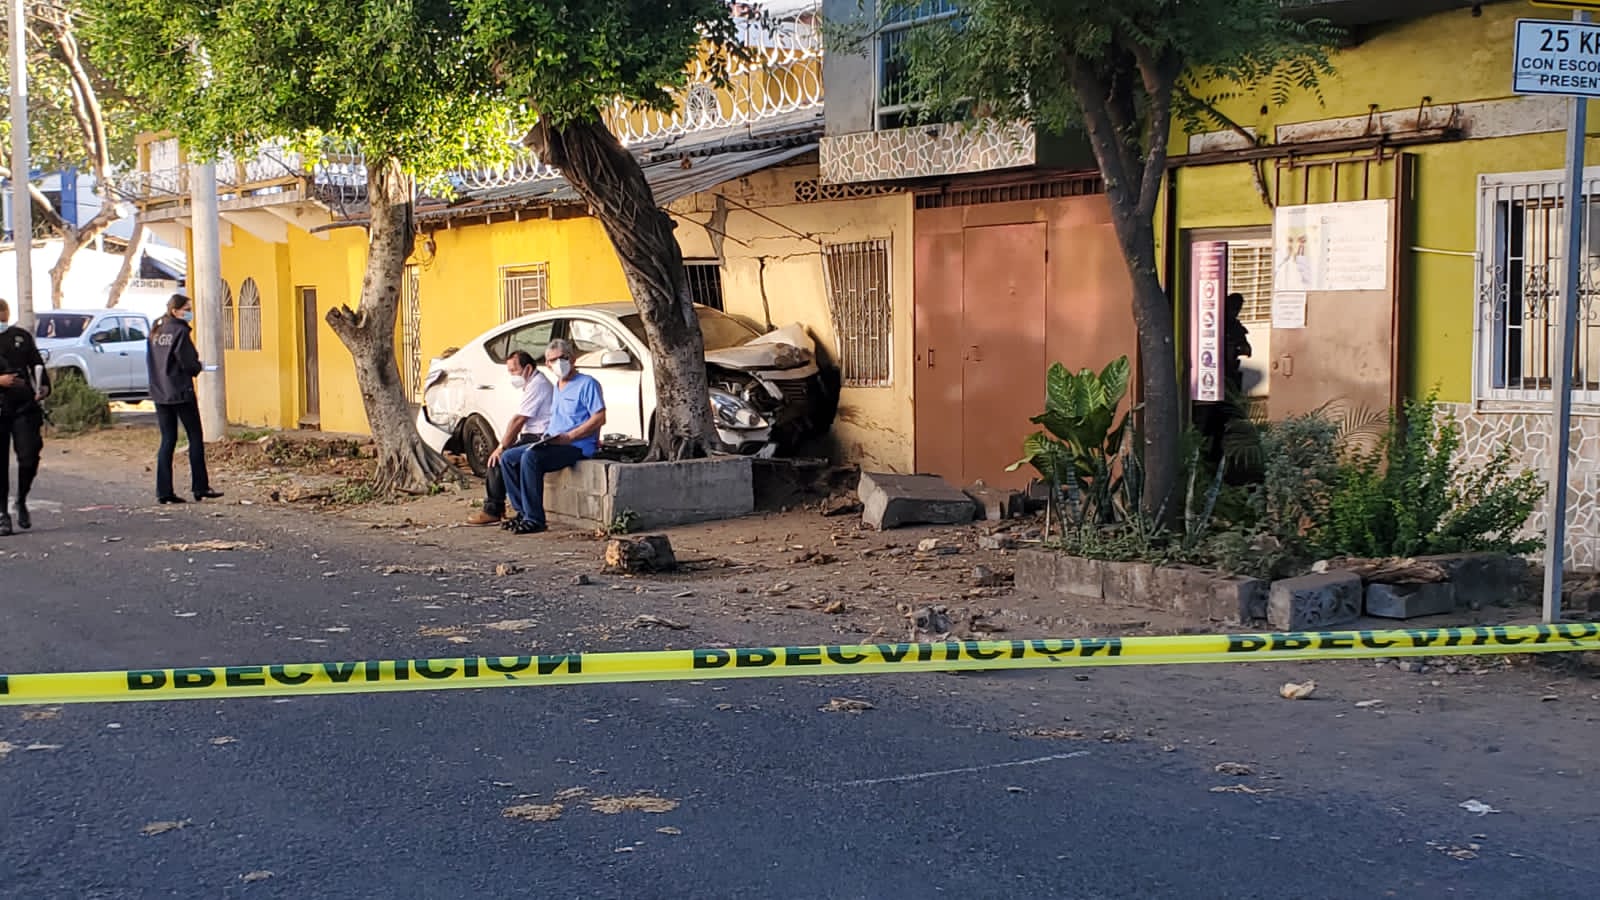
x=105, y=347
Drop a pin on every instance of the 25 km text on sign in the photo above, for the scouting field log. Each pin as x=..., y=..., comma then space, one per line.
x=1553, y=57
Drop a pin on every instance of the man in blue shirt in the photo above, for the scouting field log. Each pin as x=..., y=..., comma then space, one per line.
x=577, y=413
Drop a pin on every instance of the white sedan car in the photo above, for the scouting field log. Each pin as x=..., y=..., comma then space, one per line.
x=767, y=391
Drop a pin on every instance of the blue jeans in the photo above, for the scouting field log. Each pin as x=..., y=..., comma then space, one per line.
x=524, y=469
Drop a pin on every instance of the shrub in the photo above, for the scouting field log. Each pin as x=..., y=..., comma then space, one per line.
x=1081, y=450
x=74, y=407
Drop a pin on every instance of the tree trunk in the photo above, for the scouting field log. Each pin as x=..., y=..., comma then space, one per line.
x=1131, y=172
x=610, y=180
x=130, y=263
x=405, y=463
x=73, y=240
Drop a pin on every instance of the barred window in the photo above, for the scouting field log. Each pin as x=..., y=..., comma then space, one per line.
x=896, y=105
x=228, y=317
x=705, y=281
x=524, y=289
x=1522, y=241
x=857, y=277
x=411, y=332
x=1250, y=274
x=249, y=314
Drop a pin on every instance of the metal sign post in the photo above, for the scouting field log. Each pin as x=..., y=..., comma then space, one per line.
x=1564, y=59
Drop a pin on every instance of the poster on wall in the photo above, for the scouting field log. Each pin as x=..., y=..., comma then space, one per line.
x=1331, y=247
x=1208, y=268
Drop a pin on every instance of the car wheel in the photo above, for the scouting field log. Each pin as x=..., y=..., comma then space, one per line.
x=478, y=440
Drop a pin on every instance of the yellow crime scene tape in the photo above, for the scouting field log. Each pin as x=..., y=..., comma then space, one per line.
x=366, y=676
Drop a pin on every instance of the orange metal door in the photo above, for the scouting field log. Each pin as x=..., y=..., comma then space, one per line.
x=938, y=352
x=1003, y=348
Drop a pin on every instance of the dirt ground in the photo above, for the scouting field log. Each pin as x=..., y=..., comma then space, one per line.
x=827, y=576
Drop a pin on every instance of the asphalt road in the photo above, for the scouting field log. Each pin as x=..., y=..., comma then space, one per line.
x=403, y=795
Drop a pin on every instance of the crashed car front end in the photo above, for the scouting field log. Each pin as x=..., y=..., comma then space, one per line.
x=778, y=376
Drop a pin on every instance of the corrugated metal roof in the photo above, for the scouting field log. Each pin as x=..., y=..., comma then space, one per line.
x=669, y=179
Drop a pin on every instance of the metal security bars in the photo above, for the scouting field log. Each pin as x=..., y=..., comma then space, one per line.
x=249, y=311
x=228, y=317
x=524, y=289
x=411, y=332
x=895, y=103
x=1522, y=223
x=857, y=276
x=705, y=281
x=1250, y=274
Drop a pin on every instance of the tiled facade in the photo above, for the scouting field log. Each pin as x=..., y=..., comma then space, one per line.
x=926, y=152
x=1483, y=432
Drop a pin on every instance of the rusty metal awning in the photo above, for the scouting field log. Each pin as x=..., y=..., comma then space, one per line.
x=671, y=179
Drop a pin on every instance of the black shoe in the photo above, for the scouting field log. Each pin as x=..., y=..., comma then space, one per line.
x=5, y=525
x=207, y=494
x=524, y=526
x=24, y=521
x=171, y=498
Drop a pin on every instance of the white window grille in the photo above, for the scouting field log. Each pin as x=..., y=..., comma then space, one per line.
x=857, y=276
x=705, y=281
x=1250, y=274
x=524, y=289
x=229, y=317
x=411, y=332
x=895, y=102
x=249, y=313
x=1521, y=245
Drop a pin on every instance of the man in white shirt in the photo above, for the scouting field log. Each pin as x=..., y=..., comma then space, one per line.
x=529, y=424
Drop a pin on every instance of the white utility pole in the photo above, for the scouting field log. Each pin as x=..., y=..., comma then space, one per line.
x=207, y=294
x=21, y=203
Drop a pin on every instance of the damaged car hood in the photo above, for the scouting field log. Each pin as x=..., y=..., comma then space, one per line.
x=789, y=347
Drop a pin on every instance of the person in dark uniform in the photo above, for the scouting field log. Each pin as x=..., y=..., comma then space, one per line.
x=23, y=386
x=174, y=362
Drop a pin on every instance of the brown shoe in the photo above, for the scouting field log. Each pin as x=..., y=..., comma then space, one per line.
x=482, y=518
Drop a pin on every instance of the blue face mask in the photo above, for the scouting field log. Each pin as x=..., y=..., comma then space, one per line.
x=187, y=315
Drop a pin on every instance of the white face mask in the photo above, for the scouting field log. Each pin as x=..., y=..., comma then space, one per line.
x=563, y=368
x=518, y=382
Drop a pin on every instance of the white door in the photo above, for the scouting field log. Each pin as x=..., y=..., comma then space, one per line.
x=620, y=382
x=136, y=340
x=107, y=357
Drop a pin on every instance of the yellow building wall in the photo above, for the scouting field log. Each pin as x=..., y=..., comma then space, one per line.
x=1452, y=57
x=262, y=386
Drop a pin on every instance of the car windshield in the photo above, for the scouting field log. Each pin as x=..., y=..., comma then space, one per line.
x=721, y=331
x=61, y=325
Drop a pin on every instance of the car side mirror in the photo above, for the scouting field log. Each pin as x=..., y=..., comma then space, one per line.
x=615, y=358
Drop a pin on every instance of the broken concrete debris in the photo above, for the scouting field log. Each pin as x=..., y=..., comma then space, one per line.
x=890, y=501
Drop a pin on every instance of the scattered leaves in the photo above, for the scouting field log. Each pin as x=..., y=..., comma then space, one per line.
x=224, y=740
x=1239, y=789
x=1293, y=691
x=846, y=705
x=1368, y=704
x=668, y=829
x=512, y=624
x=835, y=607
x=1057, y=734
x=36, y=715
x=534, y=812
x=162, y=827
x=645, y=803
x=207, y=546
x=571, y=793
x=257, y=875
x=39, y=747
x=1477, y=807
x=1233, y=768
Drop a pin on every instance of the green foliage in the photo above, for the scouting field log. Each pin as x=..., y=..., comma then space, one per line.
x=624, y=523
x=567, y=61
x=1409, y=498
x=74, y=407
x=397, y=77
x=1082, y=448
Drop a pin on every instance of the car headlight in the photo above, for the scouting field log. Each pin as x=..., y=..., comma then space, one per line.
x=732, y=412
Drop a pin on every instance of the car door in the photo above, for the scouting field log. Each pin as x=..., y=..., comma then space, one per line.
x=136, y=338
x=107, y=359
x=492, y=395
x=620, y=383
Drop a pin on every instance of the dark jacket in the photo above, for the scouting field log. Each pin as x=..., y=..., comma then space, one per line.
x=173, y=360
x=19, y=356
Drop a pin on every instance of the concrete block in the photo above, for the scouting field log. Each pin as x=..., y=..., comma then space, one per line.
x=889, y=501
x=1408, y=601
x=995, y=504
x=1247, y=595
x=594, y=493
x=1131, y=584
x=1484, y=579
x=1046, y=573
x=1312, y=602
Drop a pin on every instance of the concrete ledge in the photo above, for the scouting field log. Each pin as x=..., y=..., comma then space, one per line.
x=594, y=493
x=1201, y=594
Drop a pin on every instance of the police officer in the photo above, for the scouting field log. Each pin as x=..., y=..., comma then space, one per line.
x=174, y=362
x=23, y=384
